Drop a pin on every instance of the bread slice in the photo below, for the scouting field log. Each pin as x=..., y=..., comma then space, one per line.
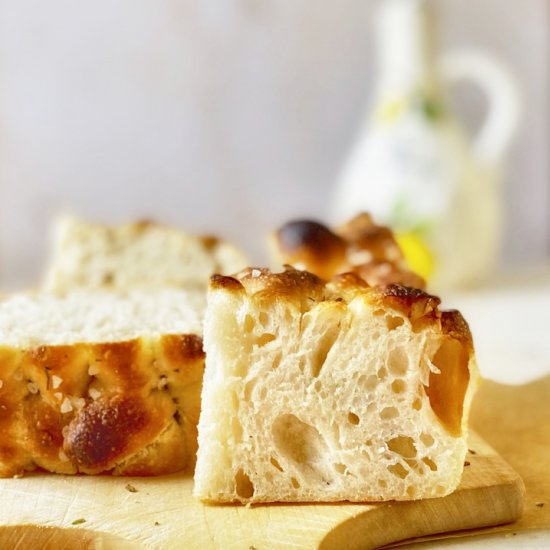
x=329, y=392
x=100, y=382
x=360, y=246
x=141, y=254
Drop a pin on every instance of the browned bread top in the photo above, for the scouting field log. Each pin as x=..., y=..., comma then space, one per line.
x=360, y=245
x=415, y=303
x=126, y=408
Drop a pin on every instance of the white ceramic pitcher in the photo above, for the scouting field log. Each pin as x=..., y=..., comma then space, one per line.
x=413, y=166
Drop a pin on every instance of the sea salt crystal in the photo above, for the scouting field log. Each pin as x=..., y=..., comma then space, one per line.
x=94, y=394
x=79, y=403
x=93, y=370
x=56, y=381
x=66, y=406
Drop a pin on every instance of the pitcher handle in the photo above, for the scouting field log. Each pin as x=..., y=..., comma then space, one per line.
x=501, y=88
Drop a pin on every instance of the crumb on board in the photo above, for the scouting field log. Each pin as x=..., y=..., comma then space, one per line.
x=78, y=521
x=472, y=452
x=539, y=504
x=157, y=523
x=466, y=463
x=129, y=487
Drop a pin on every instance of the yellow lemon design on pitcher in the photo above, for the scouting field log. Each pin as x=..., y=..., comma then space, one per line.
x=418, y=255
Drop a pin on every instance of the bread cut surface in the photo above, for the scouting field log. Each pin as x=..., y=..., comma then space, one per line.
x=329, y=392
x=100, y=382
x=140, y=254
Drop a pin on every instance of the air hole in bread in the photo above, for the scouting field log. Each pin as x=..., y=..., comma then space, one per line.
x=297, y=441
x=430, y=463
x=402, y=445
x=379, y=313
x=245, y=488
x=447, y=388
x=371, y=382
x=340, y=468
x=275, y=463
x=393, y=322
x=318, y=386
x=411, y=491
x=276, y=361
x=387, y=413
x=398, y=362
x=248, y=325
x=440, y=490
x=353, y=418
x=382, y=483
x=263, y=318
x=265, y=338
x=417, y=404
x=382, y=373
x=325, y=345
x=427, y=439
x=398, y=470
x=398, y=386
x=295, y=483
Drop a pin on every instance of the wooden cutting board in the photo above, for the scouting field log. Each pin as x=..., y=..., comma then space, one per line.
x=57, y=512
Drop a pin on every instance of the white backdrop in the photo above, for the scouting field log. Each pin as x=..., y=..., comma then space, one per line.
x=226, y=117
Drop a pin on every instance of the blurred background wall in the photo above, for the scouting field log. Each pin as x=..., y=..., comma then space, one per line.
x=225, y=117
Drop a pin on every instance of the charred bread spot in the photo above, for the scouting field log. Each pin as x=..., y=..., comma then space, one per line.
x=414, y=302
x=224, y=282
x=209, y=242
x=101, y=435
x=454, y=324
x=183, y=347
x=301, y=236
x=312, y=246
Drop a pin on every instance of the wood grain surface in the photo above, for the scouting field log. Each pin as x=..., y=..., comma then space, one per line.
x=64, y=512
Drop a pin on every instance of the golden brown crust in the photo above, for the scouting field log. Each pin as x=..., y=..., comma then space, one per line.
x=363, y=235
x=360, y=246
x=454, y=325
x=311, y=245
x=292, y=284
x=122, y=408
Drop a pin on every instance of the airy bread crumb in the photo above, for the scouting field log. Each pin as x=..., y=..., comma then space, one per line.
x=317, y=392
x=142, y=254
